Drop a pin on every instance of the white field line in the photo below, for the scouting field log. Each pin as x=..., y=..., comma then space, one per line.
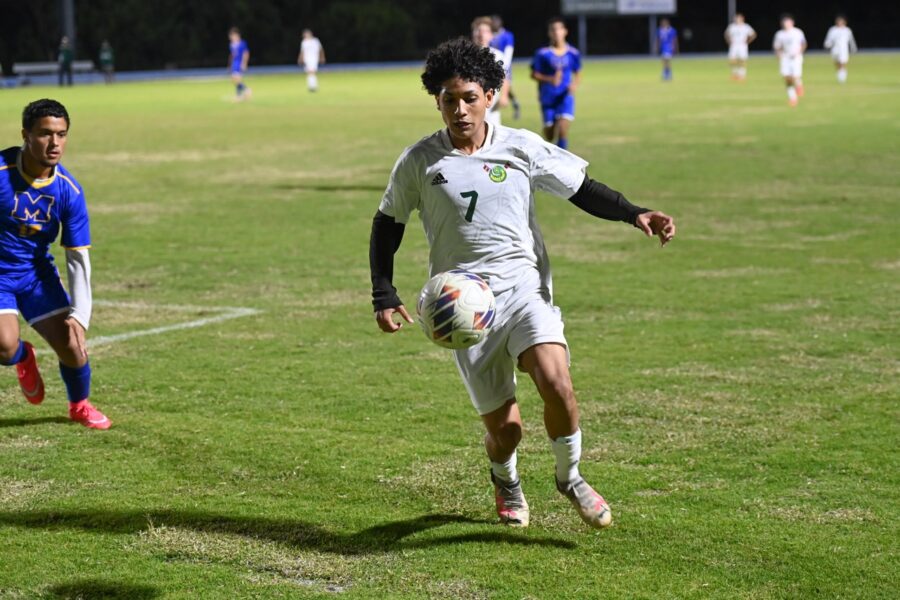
x=224, y=313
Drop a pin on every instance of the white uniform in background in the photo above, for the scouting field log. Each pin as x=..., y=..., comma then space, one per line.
x=790, y=43
x=738, y=36
x=310, y=51
x=479, y=215
x=841, y=43
x=493, y=114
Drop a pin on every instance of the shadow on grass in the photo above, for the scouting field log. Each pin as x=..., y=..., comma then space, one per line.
x=387, y=537
x=98, y=588
x=22, y=422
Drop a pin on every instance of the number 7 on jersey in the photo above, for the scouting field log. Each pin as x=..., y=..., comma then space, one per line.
x=470, y=212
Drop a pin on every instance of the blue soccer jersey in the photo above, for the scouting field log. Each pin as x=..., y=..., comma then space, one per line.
x=667, y=37
x=548, y=62
x=504, y=41
x=32, y=212
x=237, y=54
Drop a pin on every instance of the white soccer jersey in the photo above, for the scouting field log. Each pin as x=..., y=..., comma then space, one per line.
x=789, y=42
x=738, y=34
x=493, y=115
x=310, y=50
x=478, y=210
x=840, y=41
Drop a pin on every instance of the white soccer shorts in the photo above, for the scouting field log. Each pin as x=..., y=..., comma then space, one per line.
x=488, y=369
x=841, y=56
x=791, y=66
x=311, y=66
x=738, y=52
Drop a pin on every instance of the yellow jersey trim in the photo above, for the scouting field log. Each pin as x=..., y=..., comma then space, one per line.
x=31, y=181
x=70, y=182
x=77, y=247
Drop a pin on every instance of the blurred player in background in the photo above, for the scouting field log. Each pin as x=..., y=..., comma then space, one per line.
x=38, y=198
x=107, y=61
x=311, y=55
x=557, y=69
x=841, y=43
x=239, y=59
x=473, y=185
x=482, y=34
x=666, y=46
x=504, y=41
x=789, y=46
x=739, y=35
x=65, y=58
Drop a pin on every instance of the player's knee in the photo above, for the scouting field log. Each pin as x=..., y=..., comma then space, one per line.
x=559, y=388
x=71, y=356
x=9, y=345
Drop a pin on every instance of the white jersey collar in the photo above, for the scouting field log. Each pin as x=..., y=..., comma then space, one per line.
x=488, y=141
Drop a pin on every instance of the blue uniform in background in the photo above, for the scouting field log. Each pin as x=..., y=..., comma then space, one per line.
x=32, y=212
x=556, y=101
x=237, y=55
x=504, y=41
x=666, y=37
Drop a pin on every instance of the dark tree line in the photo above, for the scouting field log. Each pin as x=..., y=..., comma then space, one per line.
x=154, y=34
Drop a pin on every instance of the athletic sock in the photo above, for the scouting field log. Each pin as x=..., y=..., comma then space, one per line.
x=312, y=82
x=505, y=471
x=240, y=88
x=563, y=143
x=18, y=357
x=567, y=450
x=792, y=93
x=742, y=72
x=77, y=380
x=842, y=75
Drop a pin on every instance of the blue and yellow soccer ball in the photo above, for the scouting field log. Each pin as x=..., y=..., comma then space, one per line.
x=456, y=309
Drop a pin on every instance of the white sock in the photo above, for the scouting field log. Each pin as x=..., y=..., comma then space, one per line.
x=312, y=82
x=505, y=471
x=792, y=93
x=842, y=75
x=742, y=72
x=567, y=450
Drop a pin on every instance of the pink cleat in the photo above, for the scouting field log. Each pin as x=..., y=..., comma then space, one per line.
x=84, y=412
x=511, y=505
x=590, y=505
x=29, y=377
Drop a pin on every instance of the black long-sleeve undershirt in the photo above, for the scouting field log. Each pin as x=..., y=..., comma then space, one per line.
x=592, y=197
x=383, y=243
x=599, y=200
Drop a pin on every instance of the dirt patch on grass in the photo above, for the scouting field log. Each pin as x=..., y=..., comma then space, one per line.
x=24, y=442
x=804, y=514
x=17, y=494
x=749, y=271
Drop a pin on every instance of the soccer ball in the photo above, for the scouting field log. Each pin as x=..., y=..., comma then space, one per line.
x=456, y=309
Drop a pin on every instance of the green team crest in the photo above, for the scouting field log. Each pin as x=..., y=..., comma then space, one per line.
x=497, y=174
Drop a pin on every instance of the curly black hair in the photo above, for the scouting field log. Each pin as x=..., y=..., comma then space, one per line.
x=464, y=59
x=39, y=109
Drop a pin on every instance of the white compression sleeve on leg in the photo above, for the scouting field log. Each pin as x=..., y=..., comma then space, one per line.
x=567, y=450
x=78, y=266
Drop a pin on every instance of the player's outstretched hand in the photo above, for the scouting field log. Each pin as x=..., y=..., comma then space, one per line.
x=385, y=318
x=657, y=223
x=76, y=334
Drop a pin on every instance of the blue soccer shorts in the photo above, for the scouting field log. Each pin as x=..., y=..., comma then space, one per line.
x=563, y=108
x=36, y=294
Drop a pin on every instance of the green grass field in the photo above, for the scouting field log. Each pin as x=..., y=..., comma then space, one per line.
x=739, y=388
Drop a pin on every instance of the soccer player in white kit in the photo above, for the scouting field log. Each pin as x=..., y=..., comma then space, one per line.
x=483, y=35
x=841, y=43
x=311, y=55
x=789, y=46
x=473, y=185
x=739, y=35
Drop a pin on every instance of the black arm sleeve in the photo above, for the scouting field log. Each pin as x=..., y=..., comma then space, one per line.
x=595, y=198
x=384, y=242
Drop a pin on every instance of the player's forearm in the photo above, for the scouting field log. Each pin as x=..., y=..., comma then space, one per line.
x=541, y=77
x=78, y=269
x=383, y=243
x=600, y=201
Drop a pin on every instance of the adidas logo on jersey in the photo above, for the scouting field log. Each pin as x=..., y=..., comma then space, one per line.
x=439, y=179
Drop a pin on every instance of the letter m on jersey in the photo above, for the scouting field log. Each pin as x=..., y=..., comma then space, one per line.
x=33, y=209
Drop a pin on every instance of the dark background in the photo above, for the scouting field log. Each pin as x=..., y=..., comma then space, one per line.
x=154, y=34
